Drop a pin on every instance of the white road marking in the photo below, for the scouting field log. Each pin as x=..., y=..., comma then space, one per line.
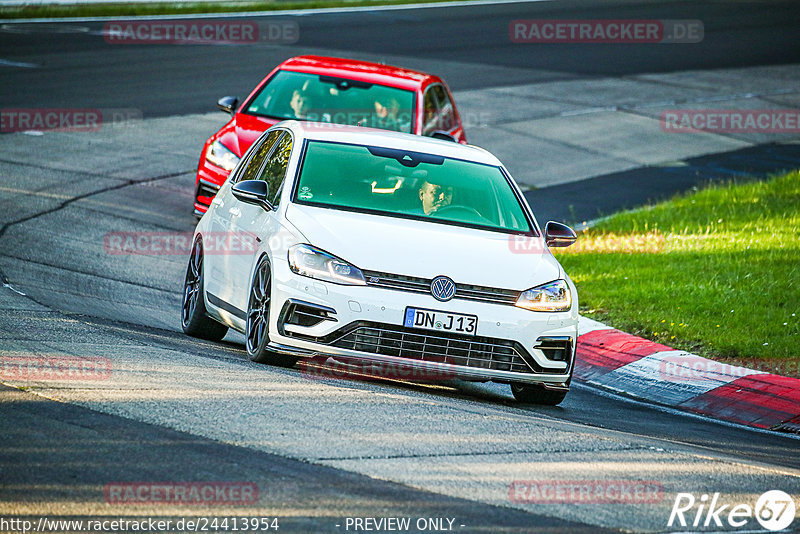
x=671, y=377
x=12, y=288
x=586, y=325
x=21, y=64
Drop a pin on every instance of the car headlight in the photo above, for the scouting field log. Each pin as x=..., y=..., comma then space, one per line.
x=221, y=156
x=306, y=260
x=550, y=297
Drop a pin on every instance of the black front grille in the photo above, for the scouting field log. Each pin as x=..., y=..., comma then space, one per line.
x=423, y=285
x=402, y=342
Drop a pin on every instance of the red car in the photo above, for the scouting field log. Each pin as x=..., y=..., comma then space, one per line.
x=326, y=89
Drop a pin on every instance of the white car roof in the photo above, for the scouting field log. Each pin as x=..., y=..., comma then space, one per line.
x=374, y=137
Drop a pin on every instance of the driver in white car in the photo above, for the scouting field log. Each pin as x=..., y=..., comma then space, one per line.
x=434, y=197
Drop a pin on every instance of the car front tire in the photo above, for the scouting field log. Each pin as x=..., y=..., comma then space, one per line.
x=194, y=319
x=257, y=329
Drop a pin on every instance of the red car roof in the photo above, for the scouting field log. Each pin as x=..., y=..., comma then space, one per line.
x=364, y=71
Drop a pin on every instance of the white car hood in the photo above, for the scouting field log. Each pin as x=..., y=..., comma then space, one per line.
x=422, y=249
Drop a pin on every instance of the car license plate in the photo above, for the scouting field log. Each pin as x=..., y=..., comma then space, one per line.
x=457, y=323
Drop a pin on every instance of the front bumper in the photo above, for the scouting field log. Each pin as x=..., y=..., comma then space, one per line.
x=209, y=180
x=512, y=345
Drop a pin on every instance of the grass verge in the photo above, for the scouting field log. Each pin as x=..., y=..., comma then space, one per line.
x=715, y=272
x=122, y=9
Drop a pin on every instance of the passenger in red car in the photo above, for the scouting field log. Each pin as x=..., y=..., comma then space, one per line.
x=300, y=104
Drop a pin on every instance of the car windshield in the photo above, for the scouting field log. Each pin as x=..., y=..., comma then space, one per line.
x=399, y=183
x=320, y=98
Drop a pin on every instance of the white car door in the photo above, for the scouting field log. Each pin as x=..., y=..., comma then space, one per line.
x=221, y=242
x=253, y=225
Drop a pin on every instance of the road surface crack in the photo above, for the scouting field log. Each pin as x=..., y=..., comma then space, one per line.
x=62, y=205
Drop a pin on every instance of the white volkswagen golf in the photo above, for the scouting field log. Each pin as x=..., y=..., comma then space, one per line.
x=367, y=245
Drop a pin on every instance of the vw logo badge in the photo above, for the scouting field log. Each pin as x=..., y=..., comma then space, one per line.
x=442, y=288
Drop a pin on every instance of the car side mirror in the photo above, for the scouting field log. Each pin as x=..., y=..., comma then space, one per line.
x=559, y=235
x=228, y=104
x=253, y=192
x=441, y=134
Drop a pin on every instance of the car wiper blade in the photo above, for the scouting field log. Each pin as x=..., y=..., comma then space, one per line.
x=343, y=84
x=405, y=157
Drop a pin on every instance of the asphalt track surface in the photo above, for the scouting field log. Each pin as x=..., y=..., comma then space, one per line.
x=468, y=46
x=74, y=294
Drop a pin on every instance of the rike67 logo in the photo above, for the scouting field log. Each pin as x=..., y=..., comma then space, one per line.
x=774, y=511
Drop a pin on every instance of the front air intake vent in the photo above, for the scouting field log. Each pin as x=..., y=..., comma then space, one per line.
x=556, y=348
x=305, y=314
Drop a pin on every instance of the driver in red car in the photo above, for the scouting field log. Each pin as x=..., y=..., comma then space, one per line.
x=388, y=116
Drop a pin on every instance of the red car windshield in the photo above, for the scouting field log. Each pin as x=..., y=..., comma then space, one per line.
x=320, y=98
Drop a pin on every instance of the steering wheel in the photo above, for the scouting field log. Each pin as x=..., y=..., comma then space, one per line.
x=454, y=209
x=466, y=213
